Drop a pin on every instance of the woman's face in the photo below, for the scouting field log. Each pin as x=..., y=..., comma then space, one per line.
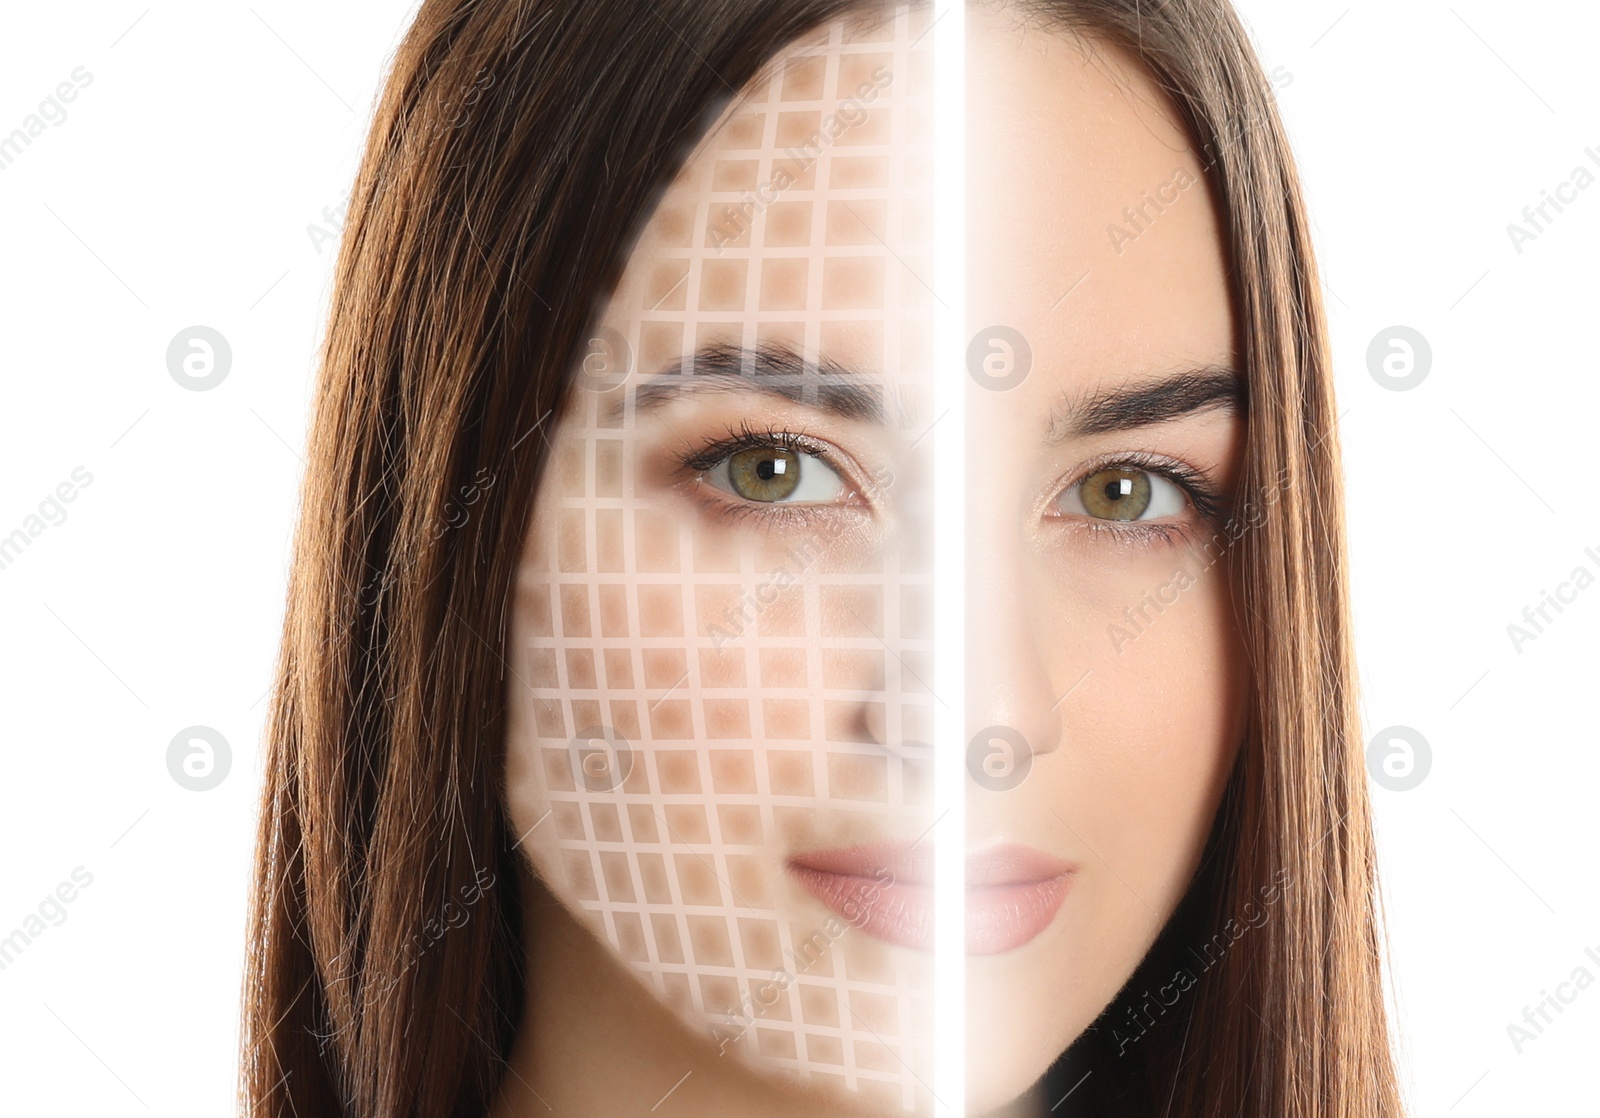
x=718, y=753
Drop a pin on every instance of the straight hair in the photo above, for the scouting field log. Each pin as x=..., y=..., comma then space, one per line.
x=1263, y=995
x=515, y=150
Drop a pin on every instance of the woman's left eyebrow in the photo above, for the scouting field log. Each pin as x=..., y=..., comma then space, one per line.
x=772, y=370
x=1146, y=402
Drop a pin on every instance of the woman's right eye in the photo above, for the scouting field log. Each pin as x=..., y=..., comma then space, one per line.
x=777, y=475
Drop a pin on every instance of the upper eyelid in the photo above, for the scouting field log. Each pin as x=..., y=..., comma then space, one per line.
x=717, y=451
x=1175, y=470
x=1178, y=472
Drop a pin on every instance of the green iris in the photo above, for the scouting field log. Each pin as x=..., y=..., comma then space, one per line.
x=1116, y=494
x=764, y=473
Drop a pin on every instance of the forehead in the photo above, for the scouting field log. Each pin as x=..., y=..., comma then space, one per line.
x=802, y=219
x=1091, y=225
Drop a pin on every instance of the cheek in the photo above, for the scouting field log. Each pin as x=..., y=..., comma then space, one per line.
x=689, y=704
x=568, y=750
x=1160, y=730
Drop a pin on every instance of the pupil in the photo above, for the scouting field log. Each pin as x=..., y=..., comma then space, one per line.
x=766, y=470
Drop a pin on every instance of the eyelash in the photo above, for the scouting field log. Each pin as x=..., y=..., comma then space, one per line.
x=714, y=452
x=1203, y=497
x=1207, y=502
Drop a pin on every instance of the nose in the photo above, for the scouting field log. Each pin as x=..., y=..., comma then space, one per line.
x=1013, y=708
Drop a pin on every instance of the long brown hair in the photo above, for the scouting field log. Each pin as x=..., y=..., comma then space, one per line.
x=1263, y=995
x=515, y=148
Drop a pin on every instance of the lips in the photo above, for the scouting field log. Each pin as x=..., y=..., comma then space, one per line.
x=886, y=890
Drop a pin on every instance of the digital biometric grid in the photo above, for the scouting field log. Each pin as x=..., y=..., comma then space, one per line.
x=707, y=692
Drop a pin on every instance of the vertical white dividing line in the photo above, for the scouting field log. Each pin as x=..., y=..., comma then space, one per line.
x=950, y=550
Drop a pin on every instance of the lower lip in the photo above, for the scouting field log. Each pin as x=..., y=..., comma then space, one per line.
x=999, y=918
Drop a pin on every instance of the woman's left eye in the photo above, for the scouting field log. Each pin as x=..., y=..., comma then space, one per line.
x=776, y=475
x=1121, y=493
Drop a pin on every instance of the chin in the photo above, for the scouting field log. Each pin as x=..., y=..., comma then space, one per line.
x=1019, y=1021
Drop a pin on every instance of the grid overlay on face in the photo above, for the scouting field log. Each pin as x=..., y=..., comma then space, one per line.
x=768, y=685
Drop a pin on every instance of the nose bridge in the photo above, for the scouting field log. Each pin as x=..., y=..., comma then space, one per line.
x=1007, y=667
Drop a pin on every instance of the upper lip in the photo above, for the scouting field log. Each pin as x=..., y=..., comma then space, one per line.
x=1004, y=863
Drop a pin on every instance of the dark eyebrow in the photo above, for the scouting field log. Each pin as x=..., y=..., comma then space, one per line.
x=1142, y=403
x=770, y=369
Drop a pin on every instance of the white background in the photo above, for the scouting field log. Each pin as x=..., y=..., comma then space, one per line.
x=179, y=190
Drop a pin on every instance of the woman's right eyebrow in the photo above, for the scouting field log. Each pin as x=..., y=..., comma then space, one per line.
x=768, y=369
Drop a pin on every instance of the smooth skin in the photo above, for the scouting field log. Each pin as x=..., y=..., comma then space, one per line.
x=1108, y=644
